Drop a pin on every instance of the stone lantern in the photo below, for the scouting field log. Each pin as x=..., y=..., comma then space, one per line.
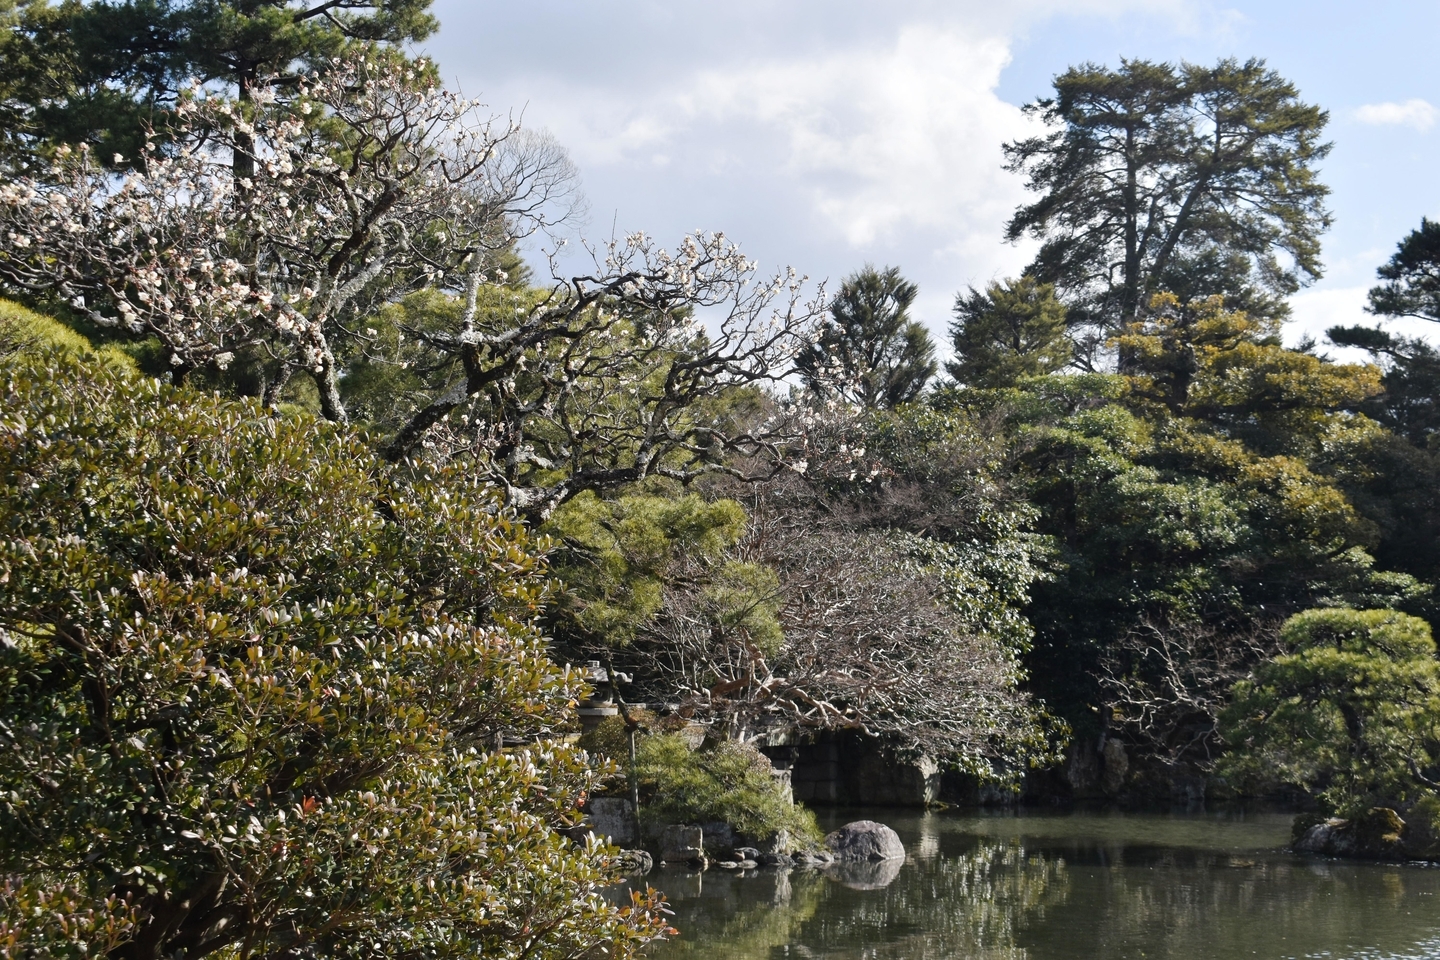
x=601, y=702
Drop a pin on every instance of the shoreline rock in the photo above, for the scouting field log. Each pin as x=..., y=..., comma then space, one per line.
x=680, y=843
x=865, y=840
x=1377, y=834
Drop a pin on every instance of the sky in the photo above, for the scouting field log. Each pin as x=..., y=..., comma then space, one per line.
x=827, y=134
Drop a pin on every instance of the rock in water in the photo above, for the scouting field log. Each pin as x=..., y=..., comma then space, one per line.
x=865, y=840
x=614, y=820
x=1376, y=834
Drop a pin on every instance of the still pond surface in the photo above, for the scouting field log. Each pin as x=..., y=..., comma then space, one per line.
x=1055, y=886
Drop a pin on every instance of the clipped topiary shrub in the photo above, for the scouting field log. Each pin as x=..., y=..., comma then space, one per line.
x=1350, y=713
x=721, y=782
x=22, y=327
x=726, y=781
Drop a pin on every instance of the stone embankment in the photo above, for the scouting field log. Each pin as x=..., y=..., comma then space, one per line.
x=863, y=854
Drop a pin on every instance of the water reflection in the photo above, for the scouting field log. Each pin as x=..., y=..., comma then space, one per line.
x=1063, y=888
x=876, y=875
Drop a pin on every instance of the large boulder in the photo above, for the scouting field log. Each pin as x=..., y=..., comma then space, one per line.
x=865, y=840
x=720, y=839
x=778, y=842
x=1116, y=766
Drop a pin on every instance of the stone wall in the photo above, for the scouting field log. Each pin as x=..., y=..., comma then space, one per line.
x=848, y=769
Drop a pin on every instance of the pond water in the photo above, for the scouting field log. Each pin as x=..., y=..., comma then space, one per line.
x=1064, y=886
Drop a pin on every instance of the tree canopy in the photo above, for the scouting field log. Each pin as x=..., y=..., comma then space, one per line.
x=1412, y=277
x=1098, y=526
x=1153, y=177
x=1009, y=331
x=108, y=73
x=1215, y=488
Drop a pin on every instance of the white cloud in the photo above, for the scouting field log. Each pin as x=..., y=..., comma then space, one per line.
x=882, y=140
x=1315, y=311
x=887, y=150
x=1416, y=113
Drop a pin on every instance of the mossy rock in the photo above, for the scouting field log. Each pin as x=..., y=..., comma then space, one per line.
x=1302, y=824
x=1377, y=832
x=1373, y=835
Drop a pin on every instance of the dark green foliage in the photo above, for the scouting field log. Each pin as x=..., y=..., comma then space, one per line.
x=1422, y=828
x=1012, y=330
x=1412, y=275
x=871, y=352
x=1399, y=483
x=34, y=66
x=1200, y=179
x=1350, y=712
x=105, y=72
x=251, y=680
x=1210, y=487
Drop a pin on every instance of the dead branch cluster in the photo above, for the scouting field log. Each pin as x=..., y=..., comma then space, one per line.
x=1166, y=683
x=870, y=643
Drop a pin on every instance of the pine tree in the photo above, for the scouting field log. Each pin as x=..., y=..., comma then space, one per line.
x=869, y=351
x=1010, y=330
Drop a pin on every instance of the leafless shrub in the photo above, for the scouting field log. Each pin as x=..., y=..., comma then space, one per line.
x=870, y=642
x=1167, y=682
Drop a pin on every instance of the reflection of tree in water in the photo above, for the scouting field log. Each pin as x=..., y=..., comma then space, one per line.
x=751, y=915
x=966, y=905
x=1061, y=896
x=1154, y=903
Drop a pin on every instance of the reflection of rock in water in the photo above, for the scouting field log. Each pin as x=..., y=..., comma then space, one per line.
x=865, y=875
x=679, y=884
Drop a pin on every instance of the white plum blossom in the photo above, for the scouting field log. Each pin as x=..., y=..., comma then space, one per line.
x=275, y=230
x=301, y=245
